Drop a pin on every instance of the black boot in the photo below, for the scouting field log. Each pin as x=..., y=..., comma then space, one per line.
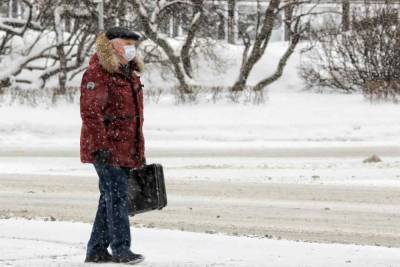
x=99, y=257
x=128, y=257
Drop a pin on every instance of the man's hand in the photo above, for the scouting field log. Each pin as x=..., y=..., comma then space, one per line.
x=102, y=156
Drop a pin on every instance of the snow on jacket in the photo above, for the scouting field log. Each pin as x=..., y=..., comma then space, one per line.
x=110, y=115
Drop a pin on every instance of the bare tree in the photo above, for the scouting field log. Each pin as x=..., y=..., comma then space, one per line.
x=295, y=22
x=366, y=58
x=14, y=27
x=149, y=16
x=47, y=59
x=259, y=46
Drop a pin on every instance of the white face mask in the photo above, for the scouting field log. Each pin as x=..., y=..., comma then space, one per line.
x=130, y=52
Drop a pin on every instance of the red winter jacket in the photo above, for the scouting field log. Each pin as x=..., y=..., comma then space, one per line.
x=110, y=115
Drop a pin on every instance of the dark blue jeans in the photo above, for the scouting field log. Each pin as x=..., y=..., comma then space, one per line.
x=111, y=224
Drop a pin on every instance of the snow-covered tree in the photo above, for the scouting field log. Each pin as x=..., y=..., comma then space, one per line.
x=296, y=21
x=365, y=58
x=150, y=14
x=37, y=47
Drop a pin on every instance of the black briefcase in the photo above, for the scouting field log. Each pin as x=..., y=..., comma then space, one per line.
x=146, y=189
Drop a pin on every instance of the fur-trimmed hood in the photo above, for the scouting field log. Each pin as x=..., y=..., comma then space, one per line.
x=108, y=59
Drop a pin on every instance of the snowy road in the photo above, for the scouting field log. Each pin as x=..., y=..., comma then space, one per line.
x=42, y=244
x=320, y=200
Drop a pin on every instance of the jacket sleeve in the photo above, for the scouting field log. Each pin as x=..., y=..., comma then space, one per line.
x=93, y=99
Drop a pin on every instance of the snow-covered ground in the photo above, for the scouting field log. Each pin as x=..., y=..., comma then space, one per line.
x=286, y=120
x=40, y=244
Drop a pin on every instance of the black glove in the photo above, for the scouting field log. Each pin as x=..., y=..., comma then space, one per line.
x=102, y=156
x=142, y=160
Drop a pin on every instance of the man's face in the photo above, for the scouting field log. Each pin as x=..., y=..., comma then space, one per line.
x=118, y=45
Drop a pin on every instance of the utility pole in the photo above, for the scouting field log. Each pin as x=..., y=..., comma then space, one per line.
x=231, y=21
x=13, y=9
x=345, y=15
x=10, y=4
x=100, y=14
x=287, y=20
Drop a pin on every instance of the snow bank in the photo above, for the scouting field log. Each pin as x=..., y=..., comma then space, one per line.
x=287, y=120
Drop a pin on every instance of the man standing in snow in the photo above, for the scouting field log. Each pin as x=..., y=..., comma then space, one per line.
x=111, y=105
